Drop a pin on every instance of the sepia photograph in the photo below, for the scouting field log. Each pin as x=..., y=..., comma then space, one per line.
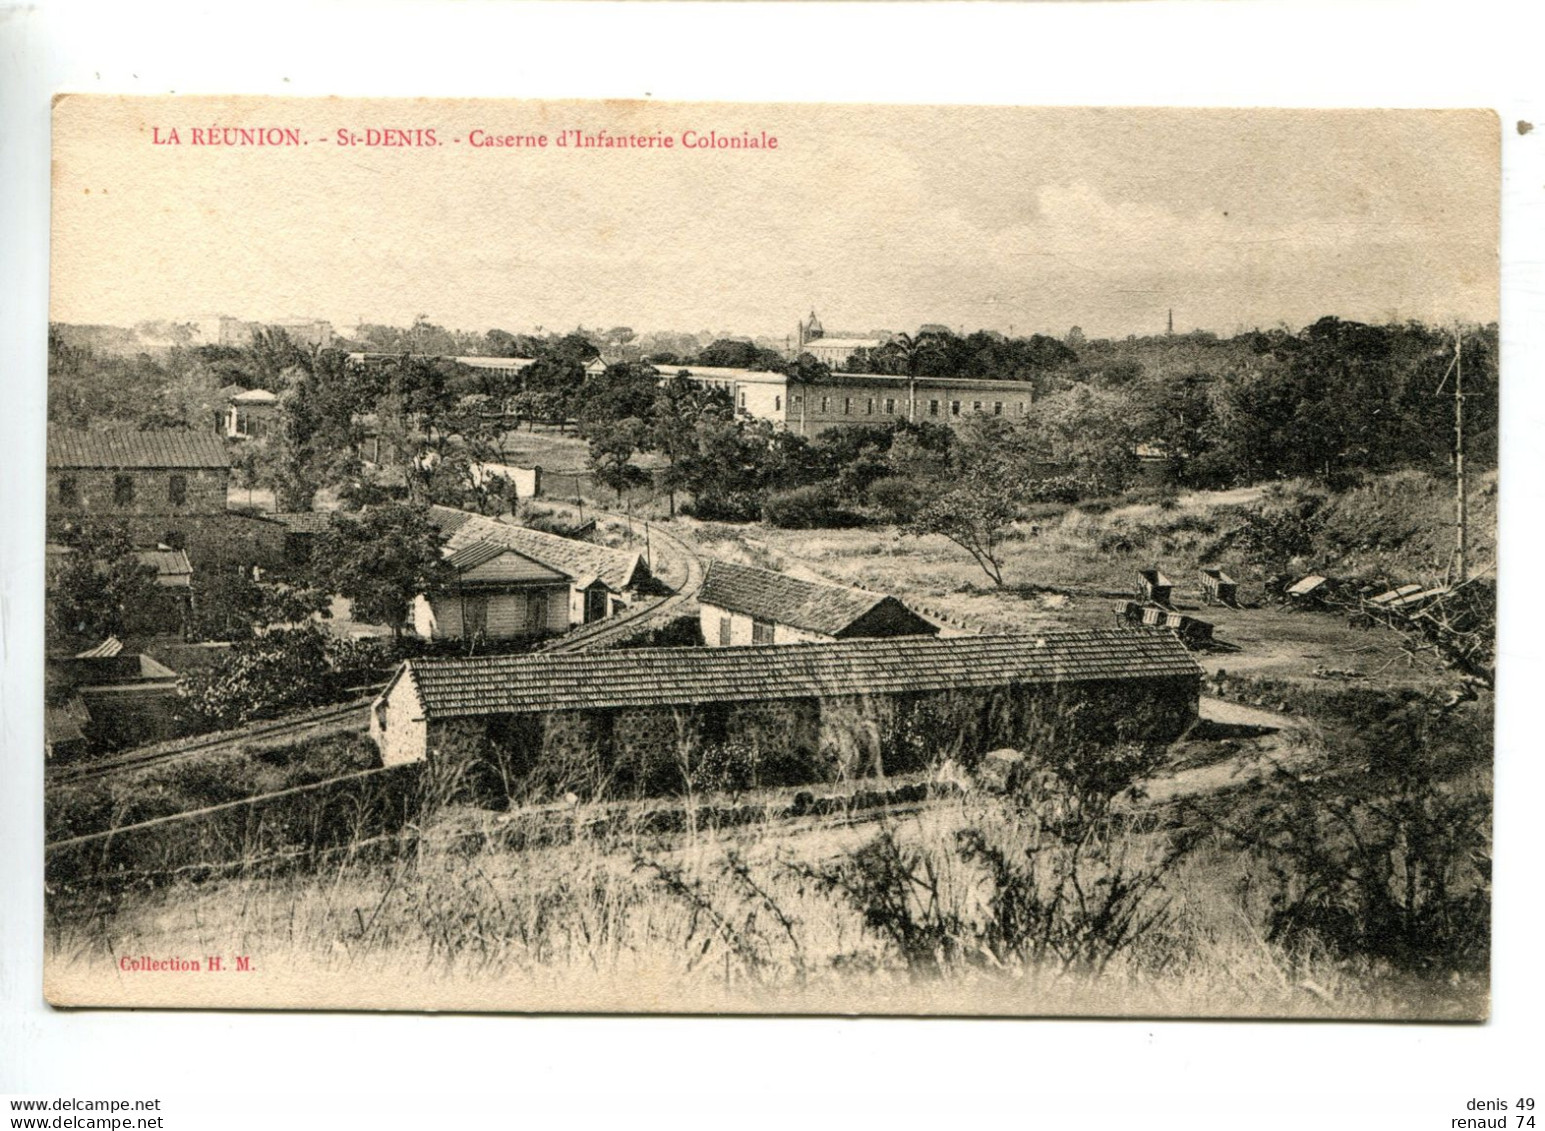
x=770, y=558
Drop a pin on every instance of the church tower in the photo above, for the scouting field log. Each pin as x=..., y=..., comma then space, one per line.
x=808, y=332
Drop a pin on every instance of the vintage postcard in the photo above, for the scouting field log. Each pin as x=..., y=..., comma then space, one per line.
x=635, y=557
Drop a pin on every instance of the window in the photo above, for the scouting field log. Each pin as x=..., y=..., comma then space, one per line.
x=761, y=631
x=177, y=490
x=123, y=490
x=797, y=400
x=777, y=404
x=890, y=405
x=847, y=406
x=954, y=408
x=1020, y=407
x=742, y=400
x=724, y=631
x=933, y=408
x=826, y=404
x=474, y=615
x=976, y=406
x=997, y=408
x=869, y=407
x=69, y=493
x=536, y=612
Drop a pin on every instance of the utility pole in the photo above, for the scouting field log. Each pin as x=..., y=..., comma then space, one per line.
x=1461, y=549
x=1459, y=563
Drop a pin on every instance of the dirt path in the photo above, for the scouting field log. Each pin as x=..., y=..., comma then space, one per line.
x=1261, y=740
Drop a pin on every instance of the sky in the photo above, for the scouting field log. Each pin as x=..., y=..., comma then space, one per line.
x=1012, y=219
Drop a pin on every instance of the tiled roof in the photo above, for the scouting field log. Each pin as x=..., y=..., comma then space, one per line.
x=65, y=722
x=126, y=449
x=768, y=595
x=652, y=677
x=619, y=569
x=491, y=563
x=303, y=522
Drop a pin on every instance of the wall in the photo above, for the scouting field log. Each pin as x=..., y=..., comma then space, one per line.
x=440, y=616
x=397, y=724
x=763, y=400
x=527, y=481
x=636, y=752
x=741, y=625
x=807, y=416
x=206, y=491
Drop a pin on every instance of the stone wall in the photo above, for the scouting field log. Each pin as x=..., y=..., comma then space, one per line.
x=95, y=493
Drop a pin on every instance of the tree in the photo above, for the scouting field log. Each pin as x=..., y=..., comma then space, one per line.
x=976, y=515
x=100, y=589
x=277, y=671
x=735, y=354
x=612, y=447
x=679, y=403
x=381, y=561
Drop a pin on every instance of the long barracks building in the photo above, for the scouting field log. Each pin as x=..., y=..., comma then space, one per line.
x=810, y=408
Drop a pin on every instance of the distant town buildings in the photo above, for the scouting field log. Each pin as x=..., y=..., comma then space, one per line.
x=312, y=333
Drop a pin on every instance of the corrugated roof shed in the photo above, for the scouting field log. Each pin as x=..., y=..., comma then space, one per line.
x=619, y=569
x=654, y=677
x=103, y=651
x=69, y=448
x=769, y=595
x=173, y=570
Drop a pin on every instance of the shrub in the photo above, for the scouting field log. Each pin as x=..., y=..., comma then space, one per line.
x=807, y=508
x=730, y=506
x=1382, y=851
x=897, y=498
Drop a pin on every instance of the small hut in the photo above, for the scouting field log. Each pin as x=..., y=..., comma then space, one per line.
x=1218, y=588
x=1153, y=586
x=1309, y=591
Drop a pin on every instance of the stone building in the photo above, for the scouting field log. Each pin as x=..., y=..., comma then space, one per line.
x=741, y=604
x=166, y=488
x=628, y=721
x=135, y=475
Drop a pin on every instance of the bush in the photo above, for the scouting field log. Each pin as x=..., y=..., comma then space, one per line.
x=897, y=498
x=730, y=506
x=807, y=508
x=1382, y=851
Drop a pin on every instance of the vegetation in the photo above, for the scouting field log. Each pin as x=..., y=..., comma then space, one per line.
x=381, y=561
x=100, y=589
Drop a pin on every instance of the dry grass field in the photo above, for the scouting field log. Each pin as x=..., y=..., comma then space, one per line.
x=751, y=919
